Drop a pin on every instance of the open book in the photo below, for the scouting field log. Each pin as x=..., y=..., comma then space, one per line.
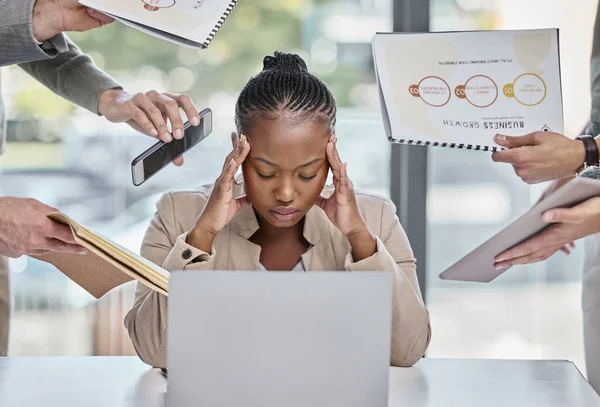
x=106, y=265
x=459, y=89
x=193, y=23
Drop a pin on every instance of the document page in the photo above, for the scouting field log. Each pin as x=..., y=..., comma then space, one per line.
x=462, y=88
x=189, y=19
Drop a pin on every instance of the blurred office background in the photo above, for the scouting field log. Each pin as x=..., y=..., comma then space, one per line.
x=79, y=163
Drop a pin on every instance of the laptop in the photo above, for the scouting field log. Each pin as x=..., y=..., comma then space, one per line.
x=253, y=339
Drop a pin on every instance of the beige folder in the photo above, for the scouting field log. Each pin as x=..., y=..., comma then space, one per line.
x=106, y=265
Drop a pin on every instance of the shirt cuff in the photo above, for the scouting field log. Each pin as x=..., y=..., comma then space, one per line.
x=57, y=43
x=50, y=47
x=183, y=254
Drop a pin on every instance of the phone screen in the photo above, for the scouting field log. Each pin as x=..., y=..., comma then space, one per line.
x=162, y=154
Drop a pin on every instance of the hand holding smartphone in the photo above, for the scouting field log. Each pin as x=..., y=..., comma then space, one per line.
x=162, y=154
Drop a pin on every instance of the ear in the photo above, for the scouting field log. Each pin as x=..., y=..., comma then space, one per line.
x=234, y=138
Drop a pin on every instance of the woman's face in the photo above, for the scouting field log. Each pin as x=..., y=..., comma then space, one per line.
x=286, y=168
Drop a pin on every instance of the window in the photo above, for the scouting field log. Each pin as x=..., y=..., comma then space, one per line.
x=72, y=160
x=530, y=311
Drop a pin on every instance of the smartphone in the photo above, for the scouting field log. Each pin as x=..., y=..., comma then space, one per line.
x=162, y=154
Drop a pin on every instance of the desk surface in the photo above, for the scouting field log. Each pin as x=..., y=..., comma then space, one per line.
x=127, y=382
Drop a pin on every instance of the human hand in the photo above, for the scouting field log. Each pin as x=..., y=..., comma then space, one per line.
x=567, y=225
x=221, y=206
x=148, y=112
x=342, y=208
x=51, y=17
x=26, y=230
x=541, y=156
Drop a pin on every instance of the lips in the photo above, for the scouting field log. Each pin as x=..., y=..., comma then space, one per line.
x=284, y=213
x=285, y=210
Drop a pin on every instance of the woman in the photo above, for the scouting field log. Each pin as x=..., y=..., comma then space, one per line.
x=281, y=217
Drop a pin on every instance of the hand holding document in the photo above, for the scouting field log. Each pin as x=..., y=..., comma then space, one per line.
x=541, y=156
x=106, y=265
x=192, y=23
x=459, y=89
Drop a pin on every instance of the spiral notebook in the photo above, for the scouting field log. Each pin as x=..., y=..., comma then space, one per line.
x=459, y=89
x=193, y=23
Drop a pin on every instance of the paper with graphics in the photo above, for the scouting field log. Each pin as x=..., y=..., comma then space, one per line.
x=459, y=89
x=193, y=23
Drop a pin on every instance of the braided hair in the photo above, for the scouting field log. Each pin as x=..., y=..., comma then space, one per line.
x=285, y=87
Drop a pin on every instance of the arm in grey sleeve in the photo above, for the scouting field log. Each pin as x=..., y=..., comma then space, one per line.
x=16, y=33
x=58, y=63
x=72, y=75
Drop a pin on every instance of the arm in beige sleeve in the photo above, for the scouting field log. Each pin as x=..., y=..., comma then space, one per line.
x=411, y=331
x=146, y=322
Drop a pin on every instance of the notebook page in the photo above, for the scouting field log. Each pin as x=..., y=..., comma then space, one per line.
x=123, y=268
x=142, y=266
x=191, y=19
x=176, y=39
x=458, y=89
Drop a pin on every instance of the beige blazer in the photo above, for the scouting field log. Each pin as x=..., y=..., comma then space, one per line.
x=165, y=244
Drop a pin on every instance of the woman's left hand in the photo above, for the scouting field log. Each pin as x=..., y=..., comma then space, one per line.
x=342, y=209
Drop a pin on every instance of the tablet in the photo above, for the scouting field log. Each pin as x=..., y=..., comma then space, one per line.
x=478, y=266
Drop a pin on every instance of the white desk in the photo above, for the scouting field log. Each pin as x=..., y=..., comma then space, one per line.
x=127, y=382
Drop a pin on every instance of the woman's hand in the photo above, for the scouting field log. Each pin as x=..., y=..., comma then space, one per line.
x=221, y=205
x=568, y=224
x=541, y=156
x=342, y=209
x=149, y=112
x=50, y=17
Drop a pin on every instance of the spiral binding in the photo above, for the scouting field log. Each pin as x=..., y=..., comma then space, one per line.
x=214, y=31
x=447, y=145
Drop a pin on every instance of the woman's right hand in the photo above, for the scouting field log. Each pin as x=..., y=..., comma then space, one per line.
x=221, y=206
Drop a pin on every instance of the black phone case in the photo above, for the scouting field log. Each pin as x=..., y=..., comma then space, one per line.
x=159, y=144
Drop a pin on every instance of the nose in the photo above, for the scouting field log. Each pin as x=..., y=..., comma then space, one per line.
x=285, y=192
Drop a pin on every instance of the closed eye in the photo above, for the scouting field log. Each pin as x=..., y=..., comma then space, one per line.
x=265, y=176
x=307, y=178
